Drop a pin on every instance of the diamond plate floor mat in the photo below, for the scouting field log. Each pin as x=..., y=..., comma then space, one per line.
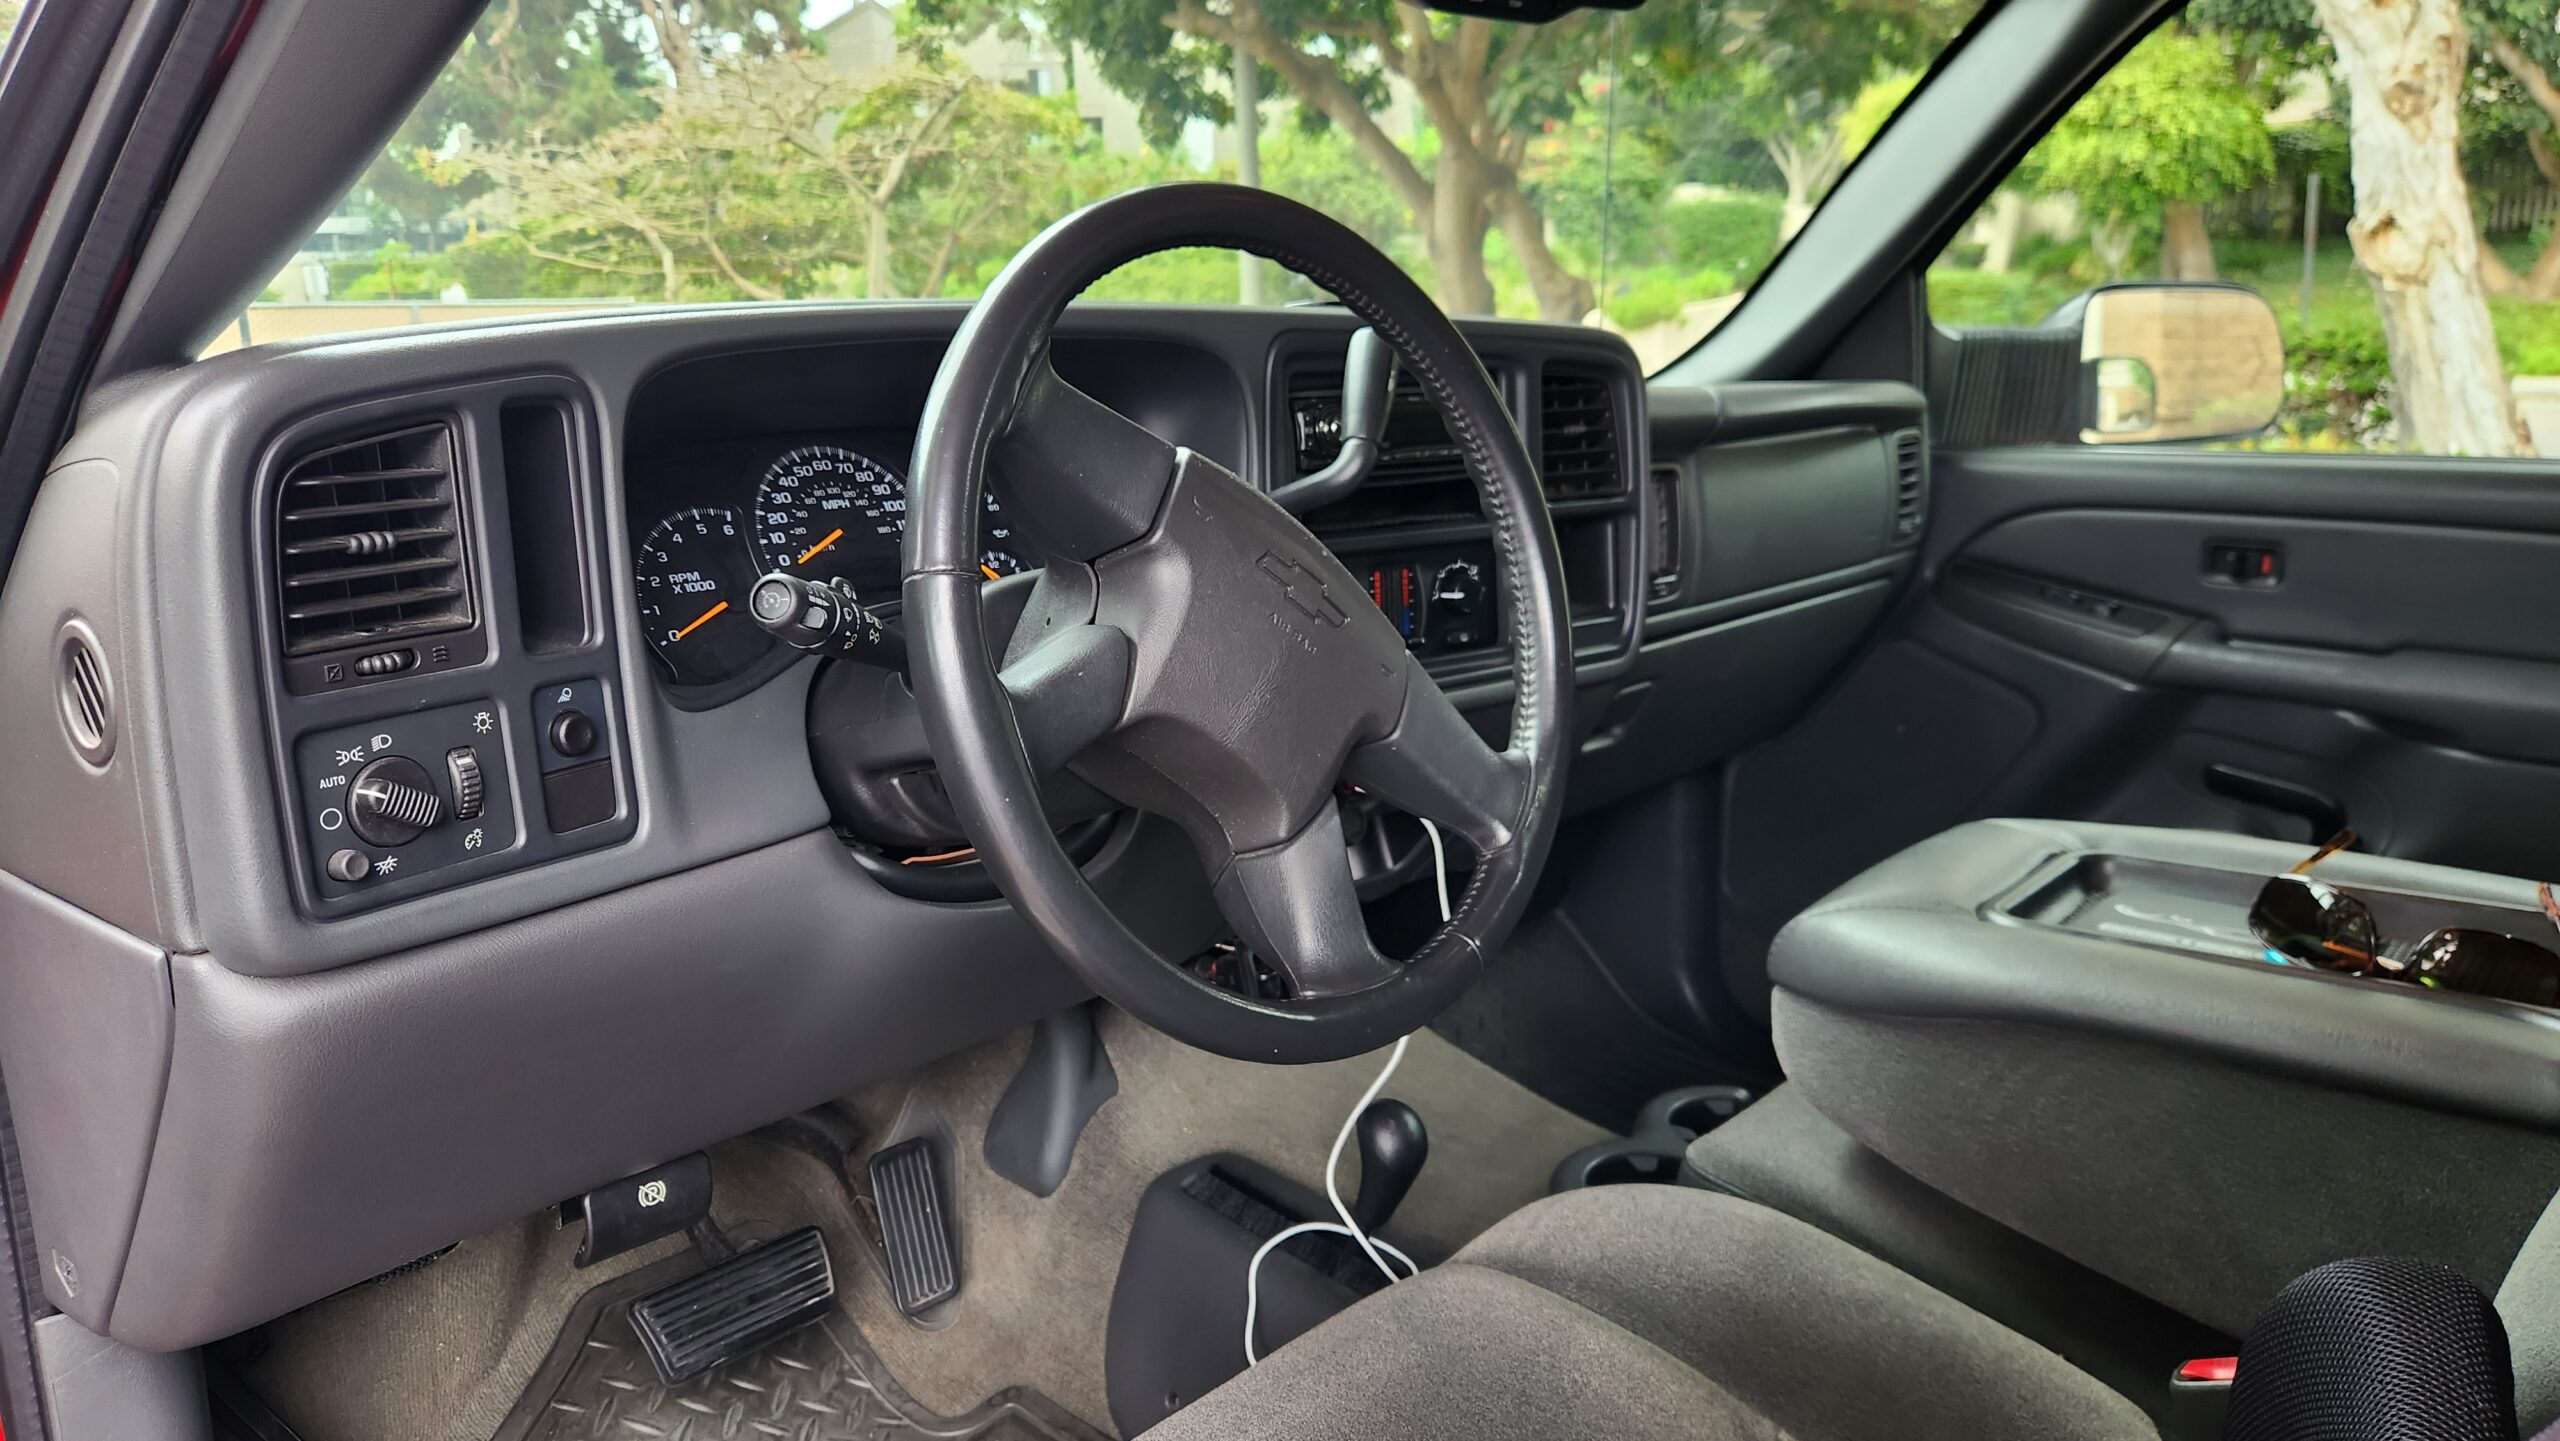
x=823, y=1383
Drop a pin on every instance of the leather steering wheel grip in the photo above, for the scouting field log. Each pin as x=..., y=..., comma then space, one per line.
x=1187, y=683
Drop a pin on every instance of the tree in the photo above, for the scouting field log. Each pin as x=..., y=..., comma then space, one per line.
x=1485, y=88
x=565, y=70
x=2405, y=63
x=2524, y=50
x=2168, y=129
x=1786, y=76
x=873, y=144
x=756, y=177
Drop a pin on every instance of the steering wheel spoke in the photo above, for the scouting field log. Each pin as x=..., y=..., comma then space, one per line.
x=1068, y=691
x=1294, y=904
x=1083, y=478
x=1437, y=766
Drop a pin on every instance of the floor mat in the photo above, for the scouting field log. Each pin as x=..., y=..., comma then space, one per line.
x=822, y=1383
x=443, y=1354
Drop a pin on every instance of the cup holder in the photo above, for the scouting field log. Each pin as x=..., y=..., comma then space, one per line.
x=1660, y=1142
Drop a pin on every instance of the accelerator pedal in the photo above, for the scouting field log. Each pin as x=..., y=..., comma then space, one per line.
x=737, y=1307
x=923, y=1258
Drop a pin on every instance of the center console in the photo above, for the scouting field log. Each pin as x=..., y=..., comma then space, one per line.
x=2070, y=1029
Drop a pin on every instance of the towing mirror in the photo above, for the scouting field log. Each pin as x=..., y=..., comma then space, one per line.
x=2176, y=362
x=2121, y=365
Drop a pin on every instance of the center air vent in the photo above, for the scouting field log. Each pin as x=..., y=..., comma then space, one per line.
x=369, y=545
x=1910, y=485
x=1578, y=435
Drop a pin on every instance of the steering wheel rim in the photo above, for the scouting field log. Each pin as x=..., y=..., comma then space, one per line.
x=1182, y=672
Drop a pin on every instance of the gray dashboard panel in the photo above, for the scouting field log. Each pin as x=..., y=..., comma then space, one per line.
x=707, y=785
x=86, y=1031
x=321, y=1129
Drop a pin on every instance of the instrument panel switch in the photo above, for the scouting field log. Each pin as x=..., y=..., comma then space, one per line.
x=470, y=788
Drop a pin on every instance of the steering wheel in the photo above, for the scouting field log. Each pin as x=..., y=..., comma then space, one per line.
x=1193, y=651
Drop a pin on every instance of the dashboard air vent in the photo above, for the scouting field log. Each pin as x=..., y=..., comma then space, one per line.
x=1663, y=572
x=1910, y=485
x=1578, y=430
x=87, y=695
x=369, y=543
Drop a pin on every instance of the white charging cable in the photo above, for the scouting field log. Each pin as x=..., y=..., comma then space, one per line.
x=1253, y=1275
x=1333, y=1159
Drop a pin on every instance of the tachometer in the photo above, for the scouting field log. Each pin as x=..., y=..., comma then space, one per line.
x=693, y=574
x=826, y=512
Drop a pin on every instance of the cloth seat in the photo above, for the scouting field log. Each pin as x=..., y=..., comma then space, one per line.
x=1660, y=1311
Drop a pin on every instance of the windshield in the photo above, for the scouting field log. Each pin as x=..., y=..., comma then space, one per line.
x=1633, y=171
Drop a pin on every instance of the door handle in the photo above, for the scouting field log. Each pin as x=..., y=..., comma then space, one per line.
x=2316, y=809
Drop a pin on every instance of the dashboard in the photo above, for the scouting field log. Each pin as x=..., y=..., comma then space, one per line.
x=465, y=586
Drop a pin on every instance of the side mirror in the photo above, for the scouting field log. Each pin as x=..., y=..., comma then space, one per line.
x=2121, y=365
x=2176, y=362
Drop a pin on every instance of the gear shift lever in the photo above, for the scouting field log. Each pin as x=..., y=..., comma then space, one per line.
x=1393, y=1146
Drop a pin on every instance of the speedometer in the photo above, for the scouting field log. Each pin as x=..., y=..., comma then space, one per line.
x=826, y=512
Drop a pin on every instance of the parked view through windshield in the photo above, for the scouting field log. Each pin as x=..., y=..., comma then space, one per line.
x=1632, y=171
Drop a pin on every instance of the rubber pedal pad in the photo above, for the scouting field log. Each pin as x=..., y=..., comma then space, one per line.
x=736, y=1308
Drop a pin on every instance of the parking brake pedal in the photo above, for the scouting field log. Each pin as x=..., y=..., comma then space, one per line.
x=737, y=1307
x=915, y=1225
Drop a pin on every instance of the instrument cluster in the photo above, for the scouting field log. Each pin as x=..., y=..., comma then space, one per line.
x=825, y=507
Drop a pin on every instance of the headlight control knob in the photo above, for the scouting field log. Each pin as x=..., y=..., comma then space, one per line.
x=393, y=801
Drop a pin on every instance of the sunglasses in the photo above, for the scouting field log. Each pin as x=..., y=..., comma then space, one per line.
x=2304, y=922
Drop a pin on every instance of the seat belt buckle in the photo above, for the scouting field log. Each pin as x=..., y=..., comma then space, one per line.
x=2200, y=1396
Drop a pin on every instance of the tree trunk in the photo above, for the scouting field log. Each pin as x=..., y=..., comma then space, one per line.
x=1562, y=295
x=669, y=274
x=2112, y=243
x=2404, y=62
x=2186, y=251
x=2008, y=227
x=875, y=254
x=1458, y=225
x=1810, y=161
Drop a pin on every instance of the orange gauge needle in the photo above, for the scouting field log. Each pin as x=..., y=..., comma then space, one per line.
x=833, y=536
x=992, y=572
x=700, y=619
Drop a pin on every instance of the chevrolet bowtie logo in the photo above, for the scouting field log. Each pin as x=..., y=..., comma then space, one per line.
x=1302, y=588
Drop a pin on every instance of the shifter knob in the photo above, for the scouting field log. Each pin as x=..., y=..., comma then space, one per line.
x=1393, y=1146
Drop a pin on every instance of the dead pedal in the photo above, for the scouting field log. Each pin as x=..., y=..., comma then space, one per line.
x=922, y=1256
x=737, y=1307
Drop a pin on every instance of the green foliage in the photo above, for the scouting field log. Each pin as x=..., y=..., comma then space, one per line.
x=2171, y=122
x=1874, y=105
x=1976, y=297
x=1737, y=233
x=1192, y=275
x=395, y=274
x=1658, y=295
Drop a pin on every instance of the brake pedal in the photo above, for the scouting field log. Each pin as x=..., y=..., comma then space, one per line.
x=915, y=1225
x=737, y=1307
